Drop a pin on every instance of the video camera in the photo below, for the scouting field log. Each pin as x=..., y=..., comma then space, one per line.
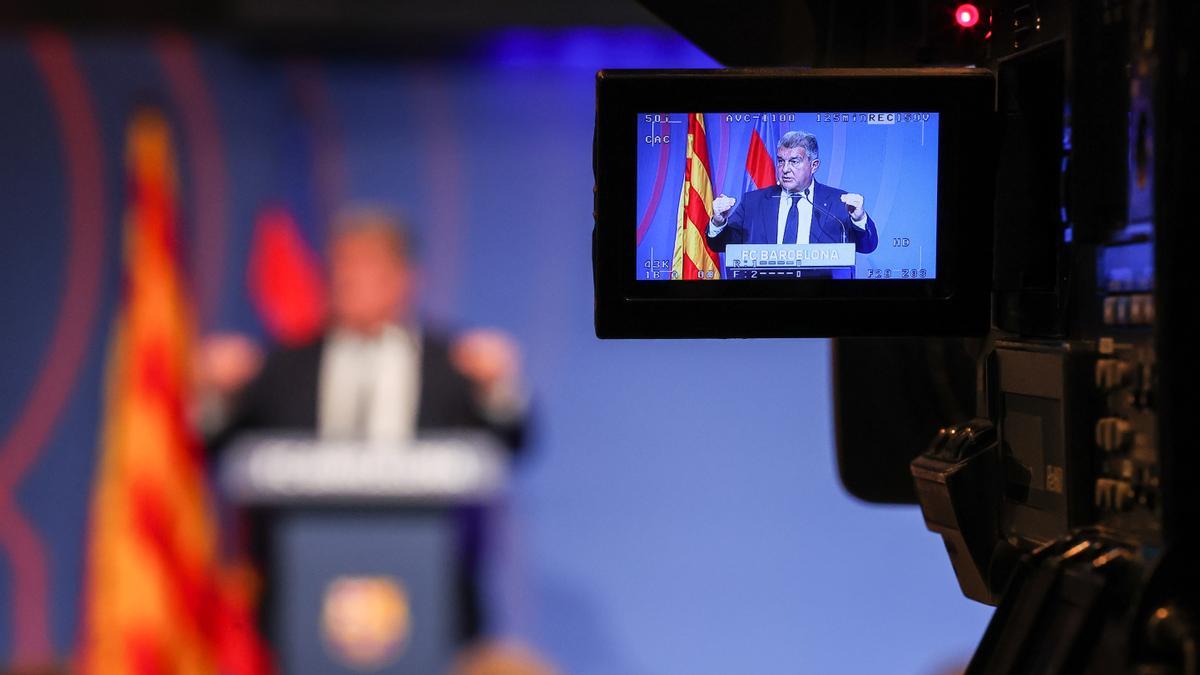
x=995, y=248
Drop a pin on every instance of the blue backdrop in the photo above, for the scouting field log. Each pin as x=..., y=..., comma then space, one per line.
x=659, y=526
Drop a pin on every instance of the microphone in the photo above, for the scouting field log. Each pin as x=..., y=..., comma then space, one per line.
x=845, y=232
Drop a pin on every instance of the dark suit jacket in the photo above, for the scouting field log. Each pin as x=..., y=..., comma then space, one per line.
x=284, y=395
x=755, y=220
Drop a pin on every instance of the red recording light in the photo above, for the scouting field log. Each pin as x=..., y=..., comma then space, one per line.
x=966, y=15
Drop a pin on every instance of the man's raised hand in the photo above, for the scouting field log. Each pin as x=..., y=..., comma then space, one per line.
x=854, y=206
x=721, y=206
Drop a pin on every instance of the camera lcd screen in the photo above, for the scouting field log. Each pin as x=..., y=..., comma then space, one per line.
x=814, y=202
x=761, y=196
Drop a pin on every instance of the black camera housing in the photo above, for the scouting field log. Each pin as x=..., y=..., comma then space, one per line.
x=956, y=303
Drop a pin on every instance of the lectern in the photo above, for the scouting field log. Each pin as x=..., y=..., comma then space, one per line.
x=360, y=545
x=789, y=261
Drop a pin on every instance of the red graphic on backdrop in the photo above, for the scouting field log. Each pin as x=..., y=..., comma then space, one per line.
x=759, y=162
x=285, y=279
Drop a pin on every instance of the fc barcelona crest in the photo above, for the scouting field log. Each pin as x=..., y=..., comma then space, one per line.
x=365, y=620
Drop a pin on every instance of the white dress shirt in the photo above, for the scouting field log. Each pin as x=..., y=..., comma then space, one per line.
x=368, y=386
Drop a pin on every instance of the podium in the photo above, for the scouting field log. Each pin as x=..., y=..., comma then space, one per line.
x=761, y=262
x=361, y=546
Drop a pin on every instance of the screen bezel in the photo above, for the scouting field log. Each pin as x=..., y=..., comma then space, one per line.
x=956, y=302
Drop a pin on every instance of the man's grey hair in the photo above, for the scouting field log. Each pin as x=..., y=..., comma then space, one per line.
x=799, y=139
x=389, y=226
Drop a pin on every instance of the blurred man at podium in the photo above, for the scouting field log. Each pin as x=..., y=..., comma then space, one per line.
x=375, y=374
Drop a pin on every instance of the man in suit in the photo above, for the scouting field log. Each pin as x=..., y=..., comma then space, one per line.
x=376, y=374
x=798, y=210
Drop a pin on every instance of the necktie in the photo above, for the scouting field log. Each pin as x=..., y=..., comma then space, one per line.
x=791, y=226
x=365, y=387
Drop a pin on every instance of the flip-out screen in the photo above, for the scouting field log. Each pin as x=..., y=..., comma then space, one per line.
x=755, y=203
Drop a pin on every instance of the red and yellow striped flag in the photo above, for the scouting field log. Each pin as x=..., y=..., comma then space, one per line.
x=153, y=599
x=693, y=259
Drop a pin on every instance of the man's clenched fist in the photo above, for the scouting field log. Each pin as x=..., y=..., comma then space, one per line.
x=854, y=205
x=721, y=206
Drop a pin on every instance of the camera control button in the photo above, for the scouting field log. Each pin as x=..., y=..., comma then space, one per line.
x=1114, y=495
x=1113, y=433
x=1142, y=309
x=1112, y=374
x=1110, y=310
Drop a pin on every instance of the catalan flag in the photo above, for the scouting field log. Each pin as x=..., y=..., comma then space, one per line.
x=693, y=259
x=154, y=599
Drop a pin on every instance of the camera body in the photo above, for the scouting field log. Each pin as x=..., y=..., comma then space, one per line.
x=1032, y=390
x=1066, y=396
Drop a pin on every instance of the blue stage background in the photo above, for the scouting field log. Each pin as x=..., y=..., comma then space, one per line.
x=894, y=166
x=661, y=524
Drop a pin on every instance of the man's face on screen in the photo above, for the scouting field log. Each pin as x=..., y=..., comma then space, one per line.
x=793, y=168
